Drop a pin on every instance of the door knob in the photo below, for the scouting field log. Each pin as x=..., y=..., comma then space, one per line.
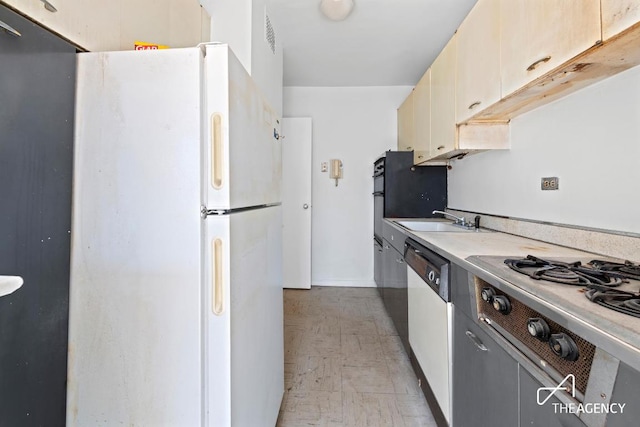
x=305, y=206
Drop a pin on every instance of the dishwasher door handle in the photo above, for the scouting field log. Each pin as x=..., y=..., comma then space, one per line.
x=476, y=341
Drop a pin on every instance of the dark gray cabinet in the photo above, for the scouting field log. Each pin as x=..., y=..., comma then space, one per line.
x=626, y=391
x=37, y=89
x=377, y=266
x=485, y=378
x=394, y=272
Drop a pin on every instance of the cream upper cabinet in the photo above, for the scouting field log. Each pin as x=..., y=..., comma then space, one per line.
x=618, y=15
x=175, y=23
x=478, y=59
x=187, y=23
x=443, y=101
x=91, y=24
x=422, y=118
x=405, y=124
x=538, y=35
x=115, y=25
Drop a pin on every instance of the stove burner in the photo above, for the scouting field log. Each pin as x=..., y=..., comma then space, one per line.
x=561, y=272
x=627, y=270
x=623, y=302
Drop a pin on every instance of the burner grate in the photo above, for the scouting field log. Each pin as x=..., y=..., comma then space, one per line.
x=566, y=273
x=623, y=302
x=627, y=270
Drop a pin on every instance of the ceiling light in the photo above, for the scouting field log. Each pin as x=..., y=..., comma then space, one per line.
x=336, y=10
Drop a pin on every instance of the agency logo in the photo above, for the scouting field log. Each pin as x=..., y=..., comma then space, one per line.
x=568, y=384
x=570, y=388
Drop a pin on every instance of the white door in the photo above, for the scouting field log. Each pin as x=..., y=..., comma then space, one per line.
x=296, y=202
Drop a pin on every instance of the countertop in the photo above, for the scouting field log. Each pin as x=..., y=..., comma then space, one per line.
x=616, y=333
x=458, y=246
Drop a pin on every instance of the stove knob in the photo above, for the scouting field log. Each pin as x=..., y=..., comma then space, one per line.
x=538, y=328
x=501, y=304
x=564, y=346
x=432, y=275
x=487, y=294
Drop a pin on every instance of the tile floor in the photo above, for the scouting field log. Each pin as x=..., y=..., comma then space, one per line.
x=344, y=363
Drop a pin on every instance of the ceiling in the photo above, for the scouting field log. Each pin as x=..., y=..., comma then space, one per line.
x=382, y=42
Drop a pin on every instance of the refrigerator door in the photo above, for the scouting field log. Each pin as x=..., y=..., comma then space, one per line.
x=244, y=317
x=243, y=164
x=135, y=335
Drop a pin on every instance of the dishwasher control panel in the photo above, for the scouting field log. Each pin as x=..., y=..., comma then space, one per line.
x=431, y=267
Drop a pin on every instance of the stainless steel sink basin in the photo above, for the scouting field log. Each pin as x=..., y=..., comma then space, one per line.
x=434, y=226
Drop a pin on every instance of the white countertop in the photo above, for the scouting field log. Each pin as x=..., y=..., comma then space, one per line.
x=457, y=246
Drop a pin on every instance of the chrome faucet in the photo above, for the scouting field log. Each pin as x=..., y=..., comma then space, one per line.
x=459, y=220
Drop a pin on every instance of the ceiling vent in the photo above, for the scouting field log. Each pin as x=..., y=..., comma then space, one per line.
x=269, y=33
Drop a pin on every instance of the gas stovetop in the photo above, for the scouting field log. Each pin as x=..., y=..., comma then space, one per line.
x=602, y=299
x=601, y=278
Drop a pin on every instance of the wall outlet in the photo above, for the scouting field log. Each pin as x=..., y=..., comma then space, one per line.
x=549, y=183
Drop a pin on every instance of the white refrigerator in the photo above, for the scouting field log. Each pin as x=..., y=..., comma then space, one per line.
x=176, y=280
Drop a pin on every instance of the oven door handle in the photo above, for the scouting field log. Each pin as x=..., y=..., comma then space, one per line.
x=476, y=341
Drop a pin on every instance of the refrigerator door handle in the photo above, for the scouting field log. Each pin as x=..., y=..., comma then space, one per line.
x=216, y=151
x=217, y=285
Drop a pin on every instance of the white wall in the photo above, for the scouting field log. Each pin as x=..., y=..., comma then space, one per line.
x=240, y=23
x=355, y=125
x=590, y=140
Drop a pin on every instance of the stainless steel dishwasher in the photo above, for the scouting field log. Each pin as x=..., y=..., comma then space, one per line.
x=430, y=323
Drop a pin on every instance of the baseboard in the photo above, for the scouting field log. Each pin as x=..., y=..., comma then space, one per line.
x=345, y=283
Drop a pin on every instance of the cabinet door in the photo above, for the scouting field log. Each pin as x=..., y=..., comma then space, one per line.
x=537, y=36
x=36, y=166
x=485, y=378
x=144, y=20
x=443, y=101
x=95, y=25
x=618, y=15
x=91, y=24
x=422, y=117
x=30, y=8
x=185, y=23
x=405, y=124
x=478, y=60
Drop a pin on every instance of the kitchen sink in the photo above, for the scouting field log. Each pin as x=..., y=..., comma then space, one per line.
x=434, y=226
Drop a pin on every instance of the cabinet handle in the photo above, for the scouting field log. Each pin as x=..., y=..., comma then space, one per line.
x=9, y=29
x=476, y=341
x=474, y=105
x=49, y=6
x=538, y=62
x=420, y=157
x=441, y=147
